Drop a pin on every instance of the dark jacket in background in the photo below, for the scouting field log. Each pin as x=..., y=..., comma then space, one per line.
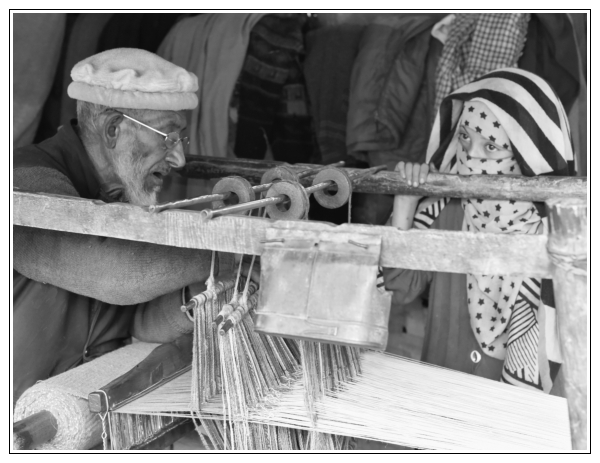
x=330, y=55
x=37, y=41
x=386, y=79
x=551, y=53
x=272, y=110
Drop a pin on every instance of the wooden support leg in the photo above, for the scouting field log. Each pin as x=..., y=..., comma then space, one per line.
x=567, y=247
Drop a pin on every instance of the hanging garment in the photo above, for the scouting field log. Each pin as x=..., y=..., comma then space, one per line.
x=580, y=29
x=551, y=52
x=330, y=55
x=386, y=78
x=212, y=46
x=272, y=109
x=519, y=112
x=82, y=43
x=374, y=209
x=50, y=119
x=37, y=40
x=293, y=134
x=478, y=43
x=145, y=31
x=412, y=145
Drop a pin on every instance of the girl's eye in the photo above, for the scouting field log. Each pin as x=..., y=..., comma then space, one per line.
x=463, y=136
x=491, y=147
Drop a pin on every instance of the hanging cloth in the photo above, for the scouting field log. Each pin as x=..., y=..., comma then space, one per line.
x=212, y=46
x=518, y=111
x=83, y=43
x=37, y=40
x=272, y=110
x=478, y=43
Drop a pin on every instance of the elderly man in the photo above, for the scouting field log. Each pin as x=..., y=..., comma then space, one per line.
x=79, y=296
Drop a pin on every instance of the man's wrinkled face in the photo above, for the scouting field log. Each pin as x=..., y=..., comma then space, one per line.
x=142, y=159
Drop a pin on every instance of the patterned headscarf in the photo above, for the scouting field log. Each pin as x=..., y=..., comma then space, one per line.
x=528, y=110
x=520, y=112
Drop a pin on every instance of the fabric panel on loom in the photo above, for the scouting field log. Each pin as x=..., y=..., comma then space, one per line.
x=272, y=112
x=330, y=56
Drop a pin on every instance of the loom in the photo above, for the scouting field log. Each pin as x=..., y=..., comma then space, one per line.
x=250, y=235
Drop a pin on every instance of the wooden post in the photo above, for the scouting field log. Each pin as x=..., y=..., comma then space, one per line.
x=567, y=248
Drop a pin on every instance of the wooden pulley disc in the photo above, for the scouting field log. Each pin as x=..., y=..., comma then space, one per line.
x=240, y=189
x=344, y=188
x=296, y=208
x=279, y=173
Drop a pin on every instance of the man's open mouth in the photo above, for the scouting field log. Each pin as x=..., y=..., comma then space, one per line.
x=155, y=180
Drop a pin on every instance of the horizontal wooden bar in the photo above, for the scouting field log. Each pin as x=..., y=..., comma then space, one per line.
x=454, y=186
x=434, y=250
x=162, y=364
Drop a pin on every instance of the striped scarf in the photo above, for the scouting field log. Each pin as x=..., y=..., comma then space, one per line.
x=519, y=111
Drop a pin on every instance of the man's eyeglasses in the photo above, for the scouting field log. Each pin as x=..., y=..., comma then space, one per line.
x=171, y=139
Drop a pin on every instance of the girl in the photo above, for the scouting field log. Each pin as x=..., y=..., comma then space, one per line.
x=508, y=122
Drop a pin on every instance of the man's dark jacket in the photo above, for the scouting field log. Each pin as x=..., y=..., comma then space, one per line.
x=78, y=296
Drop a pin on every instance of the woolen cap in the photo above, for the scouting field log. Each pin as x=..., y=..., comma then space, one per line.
x=134, y=79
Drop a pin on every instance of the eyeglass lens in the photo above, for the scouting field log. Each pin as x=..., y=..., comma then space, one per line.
x=173, y=138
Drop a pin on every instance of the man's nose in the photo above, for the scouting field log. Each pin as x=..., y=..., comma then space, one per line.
x=176, y=157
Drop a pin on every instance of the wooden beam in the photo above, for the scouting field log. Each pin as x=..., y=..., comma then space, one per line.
x=433, y=250
x=454, y=186
x=567, y=246
x=162, y=364
x=35, y=430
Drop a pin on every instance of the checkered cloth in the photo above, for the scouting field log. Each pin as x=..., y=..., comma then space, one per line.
x=479, y=43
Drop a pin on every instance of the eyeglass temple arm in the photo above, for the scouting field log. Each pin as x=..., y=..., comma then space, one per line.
x=147, y=126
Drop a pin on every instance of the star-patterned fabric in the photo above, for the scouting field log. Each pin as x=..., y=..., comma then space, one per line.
x=492, y=298
x=507, y=314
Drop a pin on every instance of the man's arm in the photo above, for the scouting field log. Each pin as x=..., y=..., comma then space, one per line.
x=108, y=269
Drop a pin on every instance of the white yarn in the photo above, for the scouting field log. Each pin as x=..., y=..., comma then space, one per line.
x=407, y=403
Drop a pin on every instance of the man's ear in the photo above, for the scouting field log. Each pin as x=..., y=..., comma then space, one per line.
x=111, y=129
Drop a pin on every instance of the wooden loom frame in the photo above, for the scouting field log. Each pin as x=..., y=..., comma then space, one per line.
x=433, y=250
